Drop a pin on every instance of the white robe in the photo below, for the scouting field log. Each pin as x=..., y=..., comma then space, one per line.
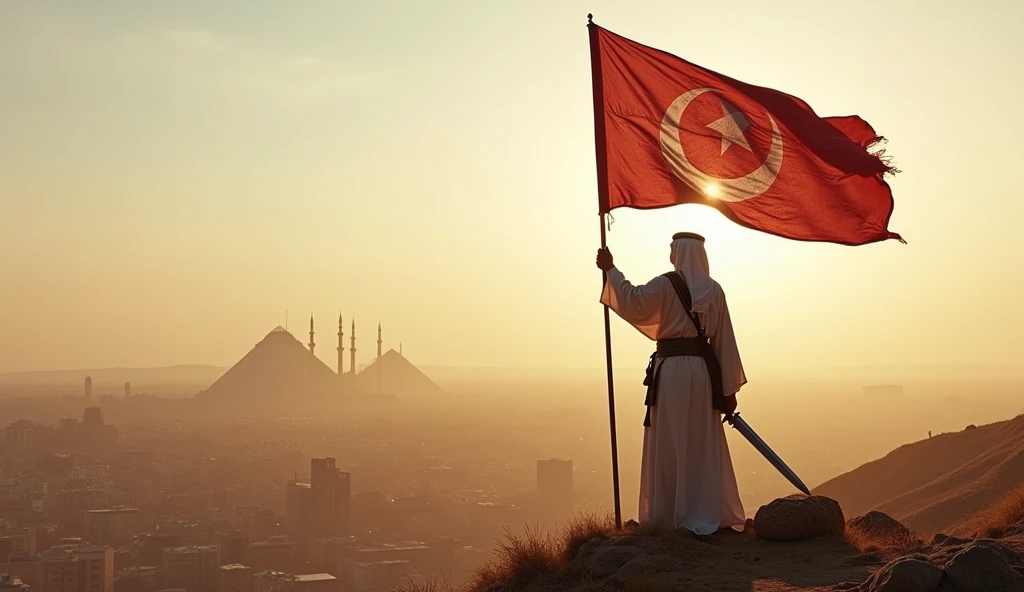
x=686, y=478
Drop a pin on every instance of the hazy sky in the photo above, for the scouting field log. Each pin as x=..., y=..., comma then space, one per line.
x=174, y=176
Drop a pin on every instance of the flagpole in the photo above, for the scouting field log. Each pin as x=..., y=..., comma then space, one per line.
x=602, y=190
x=611, y=391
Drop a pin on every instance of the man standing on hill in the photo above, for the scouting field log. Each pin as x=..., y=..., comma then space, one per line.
x=686, y=477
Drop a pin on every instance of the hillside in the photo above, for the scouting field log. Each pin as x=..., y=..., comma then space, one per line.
x=589, y=557
x=936, y=483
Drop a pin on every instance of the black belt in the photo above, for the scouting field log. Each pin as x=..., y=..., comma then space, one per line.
x=679, y=346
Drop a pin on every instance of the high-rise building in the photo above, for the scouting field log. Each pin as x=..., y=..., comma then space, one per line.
x=127, y=390
x=298, y=511
x=92, y=418
x=20, y=436
x=93, y=428
x=330, y=498
x=234, y=547
x=96, y=568
x=88, y=387
x=193, y=568
x=554, y=488
x=112, y=526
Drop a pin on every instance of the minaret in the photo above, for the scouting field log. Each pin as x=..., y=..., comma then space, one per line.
x=377, y=364
x=352, y=348
x=312, y=344
x=341, y=347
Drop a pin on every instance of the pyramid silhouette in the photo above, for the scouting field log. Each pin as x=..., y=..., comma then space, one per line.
x=393, y=374
x=278, y=372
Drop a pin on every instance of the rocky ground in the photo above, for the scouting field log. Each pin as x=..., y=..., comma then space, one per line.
x=792, y=544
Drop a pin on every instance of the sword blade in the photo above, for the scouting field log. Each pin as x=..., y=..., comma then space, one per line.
x=744, y=428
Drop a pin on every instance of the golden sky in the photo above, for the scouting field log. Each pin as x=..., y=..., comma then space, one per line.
x=175, y=176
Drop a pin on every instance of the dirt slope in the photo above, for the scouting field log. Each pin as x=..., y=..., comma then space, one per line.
x=934, y=484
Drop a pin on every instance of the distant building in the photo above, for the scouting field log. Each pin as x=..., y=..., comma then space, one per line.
x=95, y=475
x=330, y=554
x=392, y=374
x=554, y=488
x=75, y=502
x=112, y=526
x=18, y=543
x=88, y=387
x=275, y=581
x=331, y=498
x=883, y=390
x=92, y=417
x=21, y=436
x=298, y=511
x=315, y=582
x=138, y=578
x=381, y=576
x=193, y=568
x=93, y=430
x=279, y=373
x=234, y=547
x=235, y=577
x=257, y=523
x=127, y=390
x=68, y=568
x=276, y=553
x=153, y=546
x=10, y=583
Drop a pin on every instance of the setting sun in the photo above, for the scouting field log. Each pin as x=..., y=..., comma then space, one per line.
x=712, y=190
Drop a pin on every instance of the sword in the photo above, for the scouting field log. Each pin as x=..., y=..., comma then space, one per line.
x=744, y=428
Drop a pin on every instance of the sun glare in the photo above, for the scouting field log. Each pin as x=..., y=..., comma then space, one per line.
x=712, y=190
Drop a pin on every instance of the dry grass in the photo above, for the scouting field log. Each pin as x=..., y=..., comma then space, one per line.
x=873, y=542
x=644, y=581
x=993, y=520
x=583, y=528
x=521, y=559
x=518, y=560
x=431, y=585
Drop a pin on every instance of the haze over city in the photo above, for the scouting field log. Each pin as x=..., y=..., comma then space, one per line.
x=307, y=293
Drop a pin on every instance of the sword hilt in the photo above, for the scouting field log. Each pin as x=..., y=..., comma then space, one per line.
x=730, y=418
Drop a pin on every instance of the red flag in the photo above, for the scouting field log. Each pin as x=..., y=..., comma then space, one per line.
x=670, y=132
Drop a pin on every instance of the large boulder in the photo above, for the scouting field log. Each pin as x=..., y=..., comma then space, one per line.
x=880, y=529
x=602, y=560
x=910, y=574
x=797, y=518
x=879, y=525
x=980, y=568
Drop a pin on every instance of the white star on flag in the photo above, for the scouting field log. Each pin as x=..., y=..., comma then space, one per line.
x=731, y=125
